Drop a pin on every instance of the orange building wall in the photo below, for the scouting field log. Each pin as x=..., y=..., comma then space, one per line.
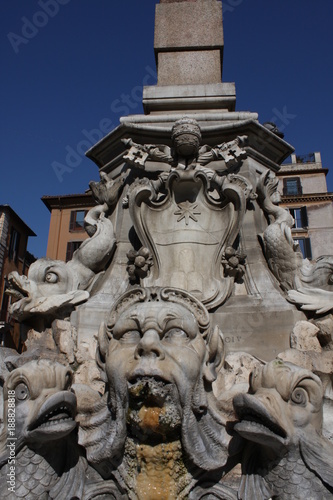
x=10, y=334
x=59, y=233
x=11, y=265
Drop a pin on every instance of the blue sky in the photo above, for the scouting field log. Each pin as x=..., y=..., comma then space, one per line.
x=78, y=65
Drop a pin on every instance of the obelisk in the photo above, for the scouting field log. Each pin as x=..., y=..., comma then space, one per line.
x=189, y=57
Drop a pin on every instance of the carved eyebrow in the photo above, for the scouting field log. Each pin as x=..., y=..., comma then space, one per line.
x=164, y=320
x=52, y=268
x=171, y=316
x=20, y=378
x=136, y=319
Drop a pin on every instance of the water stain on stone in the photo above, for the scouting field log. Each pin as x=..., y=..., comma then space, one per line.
x=162, y=471
x=150, y=418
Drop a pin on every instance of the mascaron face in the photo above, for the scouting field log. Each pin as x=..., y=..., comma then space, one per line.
x=160, y=340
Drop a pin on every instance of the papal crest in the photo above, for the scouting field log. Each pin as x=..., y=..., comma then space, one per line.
x=187, y=221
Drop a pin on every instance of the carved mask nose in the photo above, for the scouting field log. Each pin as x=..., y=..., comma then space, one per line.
x=150, y=345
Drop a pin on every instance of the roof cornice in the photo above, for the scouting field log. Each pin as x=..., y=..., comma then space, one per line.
x=304, y=198
x=68, y=201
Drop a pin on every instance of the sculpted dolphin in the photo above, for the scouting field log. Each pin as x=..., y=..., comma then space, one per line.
x=286, y=456
x=39, y=420
x=39, y=441
x=53, y=288
x=306, y=283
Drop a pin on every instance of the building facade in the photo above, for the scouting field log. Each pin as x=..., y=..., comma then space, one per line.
x=14, y=234
x=66, y=231
x=302, y=184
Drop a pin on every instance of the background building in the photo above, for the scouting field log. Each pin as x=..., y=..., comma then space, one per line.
x=66, y=225
x=304, y=192
x=14, y=234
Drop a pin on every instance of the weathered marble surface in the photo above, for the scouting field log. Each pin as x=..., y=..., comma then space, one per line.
x=38, y=444
x=189, y=282
x=281, y=420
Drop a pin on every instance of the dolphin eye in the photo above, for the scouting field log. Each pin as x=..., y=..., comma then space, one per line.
x=21, y=392
x=299, y=396
x=51, y=277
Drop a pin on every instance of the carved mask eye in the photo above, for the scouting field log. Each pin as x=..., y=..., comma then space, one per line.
x=299, y=396
x=51, y=277
x=130, y=337
x=22, y=392
x=176, y=335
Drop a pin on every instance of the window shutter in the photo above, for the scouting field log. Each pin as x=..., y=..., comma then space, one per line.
x=72, y=221
x=10, y=251
x=17, y=247
x=72, y=246
x=299, y=185
x=304, y=217
x=69, y=251
x=307, y=245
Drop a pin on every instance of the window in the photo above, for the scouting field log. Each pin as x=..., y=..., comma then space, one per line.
x=305, y=247
x=14, y=244
x=71, y=247
x=300, y=217
x=292, y=186
x=77, y=220
x=4, y=306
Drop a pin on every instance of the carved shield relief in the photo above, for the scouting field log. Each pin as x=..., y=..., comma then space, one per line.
x=187, y=230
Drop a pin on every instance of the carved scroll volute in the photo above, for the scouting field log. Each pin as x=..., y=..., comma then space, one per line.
x=237, y=190
x=143, y=193
x=187, y=230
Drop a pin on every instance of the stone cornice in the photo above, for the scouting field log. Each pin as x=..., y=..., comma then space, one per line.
x=306, y=198
x=302, y=169
x=215, y=128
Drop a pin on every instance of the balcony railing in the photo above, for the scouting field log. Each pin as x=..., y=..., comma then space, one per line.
x=308, y=158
